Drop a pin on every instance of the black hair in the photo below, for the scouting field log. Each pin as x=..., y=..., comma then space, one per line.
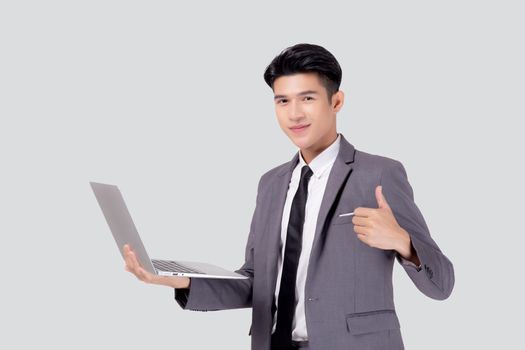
x=305, y=58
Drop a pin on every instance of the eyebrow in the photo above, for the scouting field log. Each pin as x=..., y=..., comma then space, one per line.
x=307, y=92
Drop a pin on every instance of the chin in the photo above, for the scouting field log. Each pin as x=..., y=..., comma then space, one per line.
x=302, y=142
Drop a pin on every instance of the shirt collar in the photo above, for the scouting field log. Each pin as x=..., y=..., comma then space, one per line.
x=323, y=160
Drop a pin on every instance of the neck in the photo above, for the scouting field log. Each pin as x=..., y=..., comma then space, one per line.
x=310, y=153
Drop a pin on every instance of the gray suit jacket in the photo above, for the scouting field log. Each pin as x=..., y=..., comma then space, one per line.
x=348, y=292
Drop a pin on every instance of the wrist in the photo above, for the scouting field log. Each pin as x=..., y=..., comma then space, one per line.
x=180, y=282
x=404, y=246
x=186, y=283
x=406, y=249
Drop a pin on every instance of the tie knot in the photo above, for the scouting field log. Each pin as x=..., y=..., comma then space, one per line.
x=306, y=173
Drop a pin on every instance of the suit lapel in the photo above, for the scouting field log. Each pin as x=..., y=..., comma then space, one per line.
x=341, y=170
x=278, y=197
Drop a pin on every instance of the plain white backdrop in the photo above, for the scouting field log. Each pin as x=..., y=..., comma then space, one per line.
x=167, y=100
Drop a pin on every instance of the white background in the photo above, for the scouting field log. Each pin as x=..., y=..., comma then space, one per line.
x=167, y=100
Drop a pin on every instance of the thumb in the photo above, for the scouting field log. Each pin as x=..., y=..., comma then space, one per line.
x=381, y=200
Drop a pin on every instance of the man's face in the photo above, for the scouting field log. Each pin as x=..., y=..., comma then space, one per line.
x=300, y=99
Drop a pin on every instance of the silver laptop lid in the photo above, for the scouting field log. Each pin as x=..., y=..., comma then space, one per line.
x=120, y=223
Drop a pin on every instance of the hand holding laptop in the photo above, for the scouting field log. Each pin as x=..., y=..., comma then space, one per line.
x=138, y=262
x=133, y=266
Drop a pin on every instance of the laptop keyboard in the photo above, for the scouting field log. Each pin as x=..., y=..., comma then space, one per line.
x=167, y=265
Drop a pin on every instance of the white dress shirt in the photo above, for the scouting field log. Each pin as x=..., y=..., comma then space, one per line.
x=321, y=166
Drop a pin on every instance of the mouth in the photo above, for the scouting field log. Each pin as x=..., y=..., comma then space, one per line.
x=299, y=128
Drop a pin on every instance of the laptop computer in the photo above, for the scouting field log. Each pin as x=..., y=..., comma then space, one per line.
x=124, y=231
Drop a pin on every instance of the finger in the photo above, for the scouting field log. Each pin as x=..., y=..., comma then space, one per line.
x=361, y=221
x=145, y=275
x=128, y=254
x=361, y=230
x=130, y=270
x=362, y=238
x=140, y=274
x=127, y=266
x=130, y=262
x=363, y=212
x=127, y=258
x=135, y=261
x=381, y=200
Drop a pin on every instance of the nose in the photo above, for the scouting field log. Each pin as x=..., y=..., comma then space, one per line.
x=296, y=112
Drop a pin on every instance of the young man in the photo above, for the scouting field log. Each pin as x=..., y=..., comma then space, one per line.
x=326, y=230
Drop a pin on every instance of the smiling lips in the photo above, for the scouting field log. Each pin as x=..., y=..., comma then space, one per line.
x=299, y=128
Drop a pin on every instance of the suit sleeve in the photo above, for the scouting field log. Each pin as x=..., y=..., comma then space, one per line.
x=210, y=294
x=435, y=276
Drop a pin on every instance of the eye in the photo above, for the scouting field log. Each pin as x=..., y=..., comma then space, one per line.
x=311, y=98
x=281, y=100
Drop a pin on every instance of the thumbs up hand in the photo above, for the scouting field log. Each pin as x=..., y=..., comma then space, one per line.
x=378, y=228
x=381, y=200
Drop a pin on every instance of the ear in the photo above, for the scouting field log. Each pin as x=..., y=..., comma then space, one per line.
x=338, y=100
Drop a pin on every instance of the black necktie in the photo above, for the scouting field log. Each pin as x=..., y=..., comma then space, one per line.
x=282, y=336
